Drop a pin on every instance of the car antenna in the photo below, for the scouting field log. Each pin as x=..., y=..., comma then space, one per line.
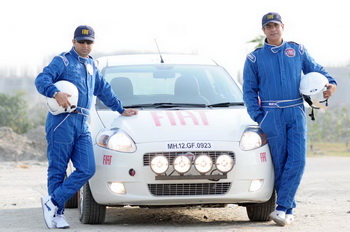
x=161, y=58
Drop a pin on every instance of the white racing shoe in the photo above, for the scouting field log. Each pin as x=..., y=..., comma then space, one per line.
x=279, y=217
x=289, y=218
x=49, y=211
x=59, y=221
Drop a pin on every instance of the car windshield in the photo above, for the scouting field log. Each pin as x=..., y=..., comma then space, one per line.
x=172, y=86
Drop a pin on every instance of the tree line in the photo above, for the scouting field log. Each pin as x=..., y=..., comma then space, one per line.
x=330, y=125
x=15, y=113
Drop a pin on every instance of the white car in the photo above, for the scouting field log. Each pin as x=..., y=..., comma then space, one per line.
x=192, y=142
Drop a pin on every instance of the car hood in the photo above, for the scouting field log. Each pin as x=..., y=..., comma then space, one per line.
x=181, y=125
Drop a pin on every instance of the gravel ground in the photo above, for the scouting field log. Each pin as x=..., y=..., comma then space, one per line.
x=323, y=205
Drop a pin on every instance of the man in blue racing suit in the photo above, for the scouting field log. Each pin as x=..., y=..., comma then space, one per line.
x=67, y=134
x=271, y=76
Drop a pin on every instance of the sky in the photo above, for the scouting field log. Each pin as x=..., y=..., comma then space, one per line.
x=34, y=31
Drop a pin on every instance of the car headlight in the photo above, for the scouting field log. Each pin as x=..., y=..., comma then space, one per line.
x=116, y=139
x=224, y=163
x=203, y=164
x=252, y=138
x=159, y=164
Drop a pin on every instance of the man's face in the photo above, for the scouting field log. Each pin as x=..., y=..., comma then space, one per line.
x=83, y=47
x=273, y=32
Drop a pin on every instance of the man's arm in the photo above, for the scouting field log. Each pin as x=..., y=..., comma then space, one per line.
x=251, y=90
x=44, y=82
x=310, y=65
x=104, y=92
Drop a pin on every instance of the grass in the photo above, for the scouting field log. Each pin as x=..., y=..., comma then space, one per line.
x=328, y=149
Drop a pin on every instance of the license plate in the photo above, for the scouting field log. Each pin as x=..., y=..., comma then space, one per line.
x=189, y=146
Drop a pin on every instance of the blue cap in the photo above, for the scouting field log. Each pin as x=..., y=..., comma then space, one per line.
x=84, y=32
x=271, y=17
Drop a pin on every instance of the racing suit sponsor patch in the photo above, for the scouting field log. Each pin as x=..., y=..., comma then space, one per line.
x=290, y=52
x=64, y=58
x=251, y=57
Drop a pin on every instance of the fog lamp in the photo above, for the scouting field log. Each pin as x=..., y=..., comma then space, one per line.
x=203, y=164
x=117, y=187
x=159, y=164
x=182, y=164
x=256, y=185
x=224, y=163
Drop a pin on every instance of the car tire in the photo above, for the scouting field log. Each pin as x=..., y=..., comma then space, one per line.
x=261, y=212
x=72, y=203
x=90, y=212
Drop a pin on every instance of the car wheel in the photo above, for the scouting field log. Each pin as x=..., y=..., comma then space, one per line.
x=261, y=212
x=72, y=202
x=90, y=212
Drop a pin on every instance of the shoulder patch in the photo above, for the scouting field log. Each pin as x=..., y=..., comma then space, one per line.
x=64, y=58
x=251, y=57
x=301, y=49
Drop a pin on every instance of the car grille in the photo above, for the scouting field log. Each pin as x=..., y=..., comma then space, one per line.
x=195, y=189
x=172, y=155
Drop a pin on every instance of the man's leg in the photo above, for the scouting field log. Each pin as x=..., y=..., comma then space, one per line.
x=274, y=128
x=275, y=131
x=59, y=148
x=295, y=165
x=84, y=163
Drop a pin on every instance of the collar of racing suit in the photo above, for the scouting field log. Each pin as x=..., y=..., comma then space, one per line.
x=79, y=58
x=273, y=48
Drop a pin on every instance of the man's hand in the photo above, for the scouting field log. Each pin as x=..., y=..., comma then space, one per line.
x=130, y=112
x=330, y=90
x=62, y=99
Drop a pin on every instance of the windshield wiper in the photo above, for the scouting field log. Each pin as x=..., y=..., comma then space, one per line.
x=226, y=104
x=165, y=105
x=171, y=105
x=138, y=106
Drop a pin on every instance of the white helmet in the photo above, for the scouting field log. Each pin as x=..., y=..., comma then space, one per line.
x=312, y=83
x=66, y=87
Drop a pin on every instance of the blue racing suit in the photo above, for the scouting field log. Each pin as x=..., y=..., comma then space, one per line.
x=68, y=136
x=271, y=92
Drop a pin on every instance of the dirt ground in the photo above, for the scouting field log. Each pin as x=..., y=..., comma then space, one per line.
x=323, y=205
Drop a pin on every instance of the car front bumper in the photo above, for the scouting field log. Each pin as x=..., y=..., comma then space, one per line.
x=250, y=181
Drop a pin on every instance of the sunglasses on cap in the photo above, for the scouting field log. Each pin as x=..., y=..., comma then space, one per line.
x=85, y=41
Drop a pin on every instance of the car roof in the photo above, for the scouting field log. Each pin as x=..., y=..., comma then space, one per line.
x=143, y=59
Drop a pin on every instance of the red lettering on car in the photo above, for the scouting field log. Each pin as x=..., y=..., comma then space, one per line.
x=180, y=117
x=107, y=160
x=171, y=118
x=156, y=118
x=203, y=117
x=263, y=157
x=190, y=115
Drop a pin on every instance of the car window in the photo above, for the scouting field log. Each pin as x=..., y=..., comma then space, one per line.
x=175, y=84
